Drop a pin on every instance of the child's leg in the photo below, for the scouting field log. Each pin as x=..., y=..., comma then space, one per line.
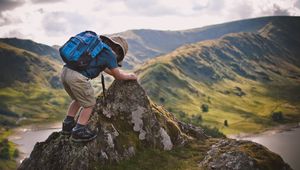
x=73, y=108
x=80, y=133
x=85, y=115
x=69, y=121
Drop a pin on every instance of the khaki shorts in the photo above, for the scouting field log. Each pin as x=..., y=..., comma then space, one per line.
x=78, y=87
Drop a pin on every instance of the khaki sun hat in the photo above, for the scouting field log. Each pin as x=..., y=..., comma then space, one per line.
x=118, y=44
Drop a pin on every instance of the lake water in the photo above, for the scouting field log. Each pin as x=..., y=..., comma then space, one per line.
x=285, y=143
x=26, y=137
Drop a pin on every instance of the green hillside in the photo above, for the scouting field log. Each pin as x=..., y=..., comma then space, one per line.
x=242, y=78
x=145, y=44
x=29, y=45
x=30, y=89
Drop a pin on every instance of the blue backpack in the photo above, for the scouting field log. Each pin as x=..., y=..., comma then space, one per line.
x=80, y=50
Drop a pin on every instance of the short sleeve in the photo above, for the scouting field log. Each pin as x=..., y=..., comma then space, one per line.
x=111, y=60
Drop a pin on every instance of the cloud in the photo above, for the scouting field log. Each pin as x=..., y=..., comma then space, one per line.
x=157, y=8
x=6, y=19
x=62, y=23
x=15, y=33
x=242, y=9
x=41, y=10
x=45, y=1
x=297, y=4
x=54, y=24
x=54, y=21
x=277, y=10
x=6, y=5
x=148, y=8
x=216, y=5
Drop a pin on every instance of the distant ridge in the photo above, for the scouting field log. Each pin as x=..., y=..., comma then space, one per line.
x=29, y=45
x=145, y=44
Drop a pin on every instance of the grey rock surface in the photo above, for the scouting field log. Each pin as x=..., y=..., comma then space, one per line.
x=125, y=120
x=229, y=154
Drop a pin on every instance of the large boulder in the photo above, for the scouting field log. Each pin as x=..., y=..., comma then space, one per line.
x=229, y=154
x=125, y=120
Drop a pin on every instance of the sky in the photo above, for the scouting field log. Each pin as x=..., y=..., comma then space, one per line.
x=52, y=22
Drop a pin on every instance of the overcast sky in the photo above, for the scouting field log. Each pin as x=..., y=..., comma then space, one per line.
x=53, y=21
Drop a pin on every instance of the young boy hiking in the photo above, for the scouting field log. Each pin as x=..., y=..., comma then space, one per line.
x=86, y=55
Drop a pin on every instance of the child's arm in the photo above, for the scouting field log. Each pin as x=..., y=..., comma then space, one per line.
x=108, y=71
x=117, y=74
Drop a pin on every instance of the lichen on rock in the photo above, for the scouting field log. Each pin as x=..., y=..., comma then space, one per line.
x=136, y=119
x=229, y=154
x=166, y=141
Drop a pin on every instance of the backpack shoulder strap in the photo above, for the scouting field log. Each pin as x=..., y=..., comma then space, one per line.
x=106, y=46
x=103, y=85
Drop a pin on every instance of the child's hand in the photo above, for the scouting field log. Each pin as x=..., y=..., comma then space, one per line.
x=120, y=75
x=132, y=76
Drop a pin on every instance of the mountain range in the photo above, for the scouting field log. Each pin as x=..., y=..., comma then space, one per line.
x=145, y=44
x=29, y=45
x=242, y=77
x=243, y=70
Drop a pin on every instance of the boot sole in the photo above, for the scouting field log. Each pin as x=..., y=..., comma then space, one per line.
x=83, y=140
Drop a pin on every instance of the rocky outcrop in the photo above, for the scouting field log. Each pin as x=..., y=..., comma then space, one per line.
x=126, y=122
x=229, y=154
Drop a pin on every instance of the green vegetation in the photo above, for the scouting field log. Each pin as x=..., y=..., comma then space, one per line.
x=277, y=116
x=180, y=158
x=247, y=113
x=4, y=151
x=49, y=104
x=29, y=90
x=16, y=153
x=234, y=75
x=212, y=131
x=197, y=121
x=226, y=123
x=263, y=157
x=204, y=107
x=7, y=151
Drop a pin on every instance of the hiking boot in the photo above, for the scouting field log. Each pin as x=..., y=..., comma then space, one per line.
x=82, y=135
x=67, y=127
